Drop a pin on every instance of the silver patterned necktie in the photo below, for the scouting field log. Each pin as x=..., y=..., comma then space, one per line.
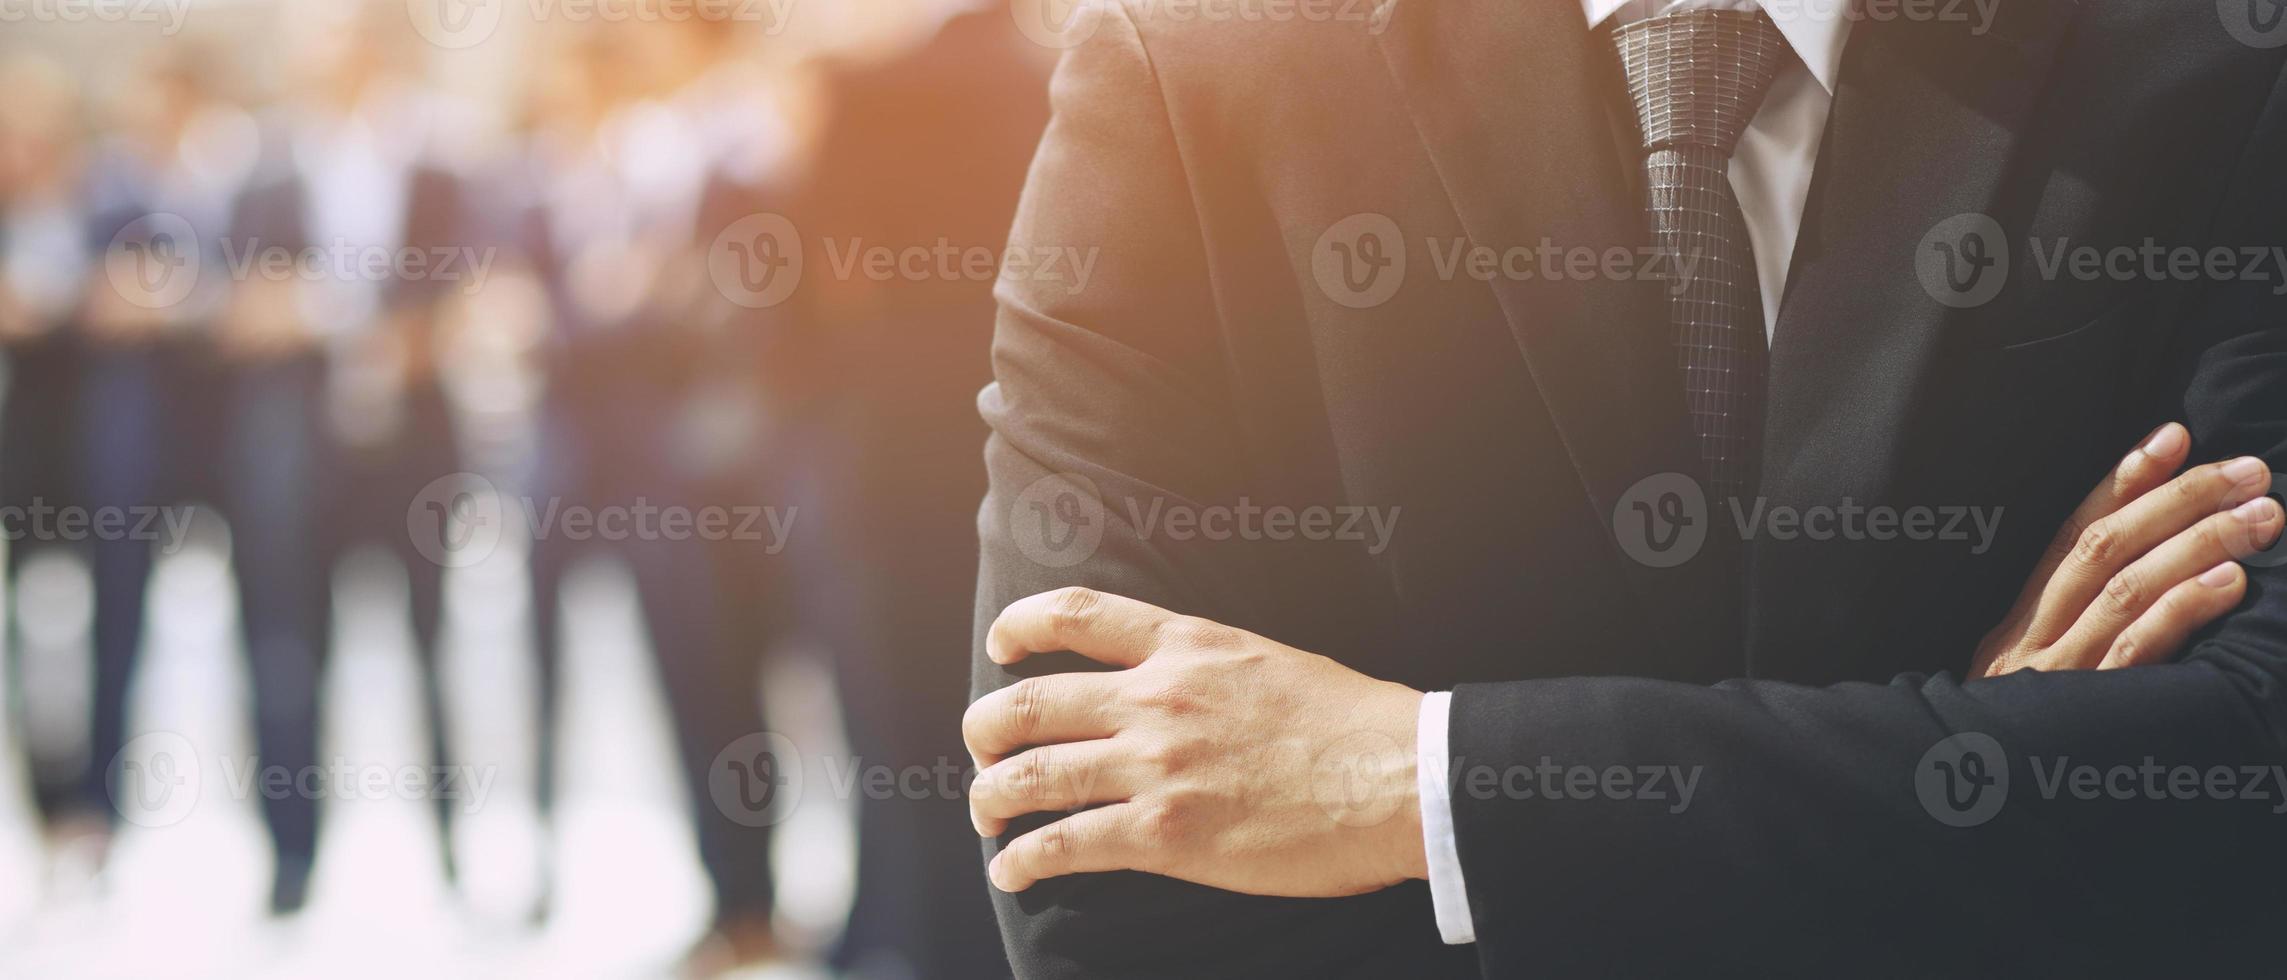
x=1696, y=78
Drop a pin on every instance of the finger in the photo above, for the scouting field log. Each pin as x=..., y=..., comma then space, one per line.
x=1058, y=778
x=2162, y=631
x=2238, y=533
x=1040, y=711
x=2110, y=543
x=1107, y=628
x=1102, y=839
x=2144, y=468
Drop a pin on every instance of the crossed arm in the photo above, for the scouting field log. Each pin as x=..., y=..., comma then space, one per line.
x=1211, y=755
x=1225, y=758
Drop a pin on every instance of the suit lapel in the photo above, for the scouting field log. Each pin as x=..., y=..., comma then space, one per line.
x=1926, y=121
x=1517, y=103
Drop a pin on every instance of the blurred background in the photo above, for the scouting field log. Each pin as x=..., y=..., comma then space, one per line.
x=488, y=486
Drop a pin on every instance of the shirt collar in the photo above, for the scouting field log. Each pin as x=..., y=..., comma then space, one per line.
x=1815, y=29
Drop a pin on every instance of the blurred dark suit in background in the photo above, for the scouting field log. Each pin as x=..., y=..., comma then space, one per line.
x=270, y=484
x=380, y=429
x=42, y=272
x=649, y=401
x=152, y=199
x=336, y=417
x=930, y=147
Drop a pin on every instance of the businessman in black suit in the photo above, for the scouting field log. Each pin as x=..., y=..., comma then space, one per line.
x=1289, y=317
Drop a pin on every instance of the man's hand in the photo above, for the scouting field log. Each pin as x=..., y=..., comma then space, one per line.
x=1215, y=756
x=2143, y=563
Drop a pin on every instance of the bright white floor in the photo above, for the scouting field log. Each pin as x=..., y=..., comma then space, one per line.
x=186, y=900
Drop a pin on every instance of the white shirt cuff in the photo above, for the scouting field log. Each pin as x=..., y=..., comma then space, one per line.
x=1446, y=892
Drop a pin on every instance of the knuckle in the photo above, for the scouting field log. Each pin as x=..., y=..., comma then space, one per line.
x=1176, y=695
x=2199, y=487
x=1030, y=780
x=1072, y=608
x=2099, y=544
x=1158, y=823
x=1056, y=845
x=1026, y=703
x=1160, y=758
x=1174, y=756
x=2125, y=593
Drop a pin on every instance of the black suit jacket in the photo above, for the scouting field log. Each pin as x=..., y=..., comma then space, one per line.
x=1804, y=680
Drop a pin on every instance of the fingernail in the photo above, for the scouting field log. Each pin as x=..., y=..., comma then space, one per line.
x=2220, y=576
x=2244, y=469
x=2164, y=441
x=2257, y=511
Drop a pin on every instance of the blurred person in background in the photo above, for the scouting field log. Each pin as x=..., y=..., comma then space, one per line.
x=341, y=419
x=146, y=210
x=648, y=139
x=560, y=127
x=922, y=148
x=337, y=416
x=43, y=268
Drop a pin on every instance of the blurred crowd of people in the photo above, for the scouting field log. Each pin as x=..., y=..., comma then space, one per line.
x=536, y=309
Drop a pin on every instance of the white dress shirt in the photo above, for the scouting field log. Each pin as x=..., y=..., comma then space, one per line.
x=1771, y=175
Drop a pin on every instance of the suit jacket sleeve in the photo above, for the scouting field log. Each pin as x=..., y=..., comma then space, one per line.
x=1110, y=394
x=1828, y=824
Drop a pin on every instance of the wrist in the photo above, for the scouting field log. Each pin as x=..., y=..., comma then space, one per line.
x=1401, y=839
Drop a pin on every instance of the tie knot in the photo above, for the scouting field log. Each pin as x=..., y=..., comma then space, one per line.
x=1697, y=76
